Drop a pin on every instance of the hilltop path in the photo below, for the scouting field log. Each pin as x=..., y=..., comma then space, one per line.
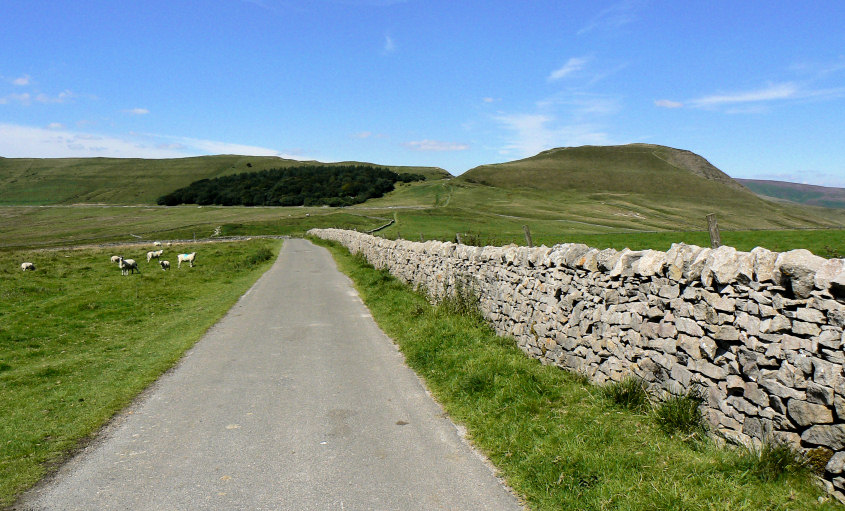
x=295, y=400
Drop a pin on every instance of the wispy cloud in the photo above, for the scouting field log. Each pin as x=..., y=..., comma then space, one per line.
x=773, y=92
x=389, y=45
x=435, y=145
x=572, y=65
x=56, y=126
x=27, y=99
x=17, y=141
x=137, y=111
x=613, y=17
x=668, y=103
x=533, y=133
x=21, y=81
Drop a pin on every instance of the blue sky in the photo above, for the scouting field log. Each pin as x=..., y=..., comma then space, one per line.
x=757, y=88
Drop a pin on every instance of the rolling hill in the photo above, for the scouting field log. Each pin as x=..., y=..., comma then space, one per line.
x=50, y=181
x=811, y=195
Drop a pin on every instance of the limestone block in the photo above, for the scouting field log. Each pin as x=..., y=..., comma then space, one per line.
x=805, y=329
x=797, y=270
x=712, y=371
x=764, y=264
x=708, y=347
x=690, y=345
x=607, y=258
x=753, y=393
x=830, y=338
x=819, y=394
x=726, y=333
x=721, y=266
x=804, y=413
x=829, y=271
x=831, y=436
x=836, y=465
x=742, y=405
x=810, y=315
x=650, y=263
x=689, y=327
x=693, y=270
x=624, y=266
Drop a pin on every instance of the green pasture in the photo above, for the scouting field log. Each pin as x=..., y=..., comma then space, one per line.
x=78, y=340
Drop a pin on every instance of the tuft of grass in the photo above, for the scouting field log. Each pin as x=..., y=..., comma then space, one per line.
x=557, y=441
x=775, y=461
x=681, y=414
x=630, y=393
x=461, y=300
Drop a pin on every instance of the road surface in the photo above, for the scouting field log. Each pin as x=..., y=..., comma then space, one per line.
x=294, y=401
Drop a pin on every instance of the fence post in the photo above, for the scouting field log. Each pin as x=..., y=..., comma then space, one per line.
x=715, y=239
x=528, y=239
x=458, y=237
x=422, y=239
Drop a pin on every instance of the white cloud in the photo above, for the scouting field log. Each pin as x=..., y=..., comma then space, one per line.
x=533, y=133
x=18, y=141
x=572, y=65
x=668, y=103
x=55, y=126
x=137, y=111
x=613, y=17
x=363, y=134
x=389, y=45
x=61, y=98
x=773, y=92
x=435, y=145
x=23, y=80
x=24, y=99
x=489, y=100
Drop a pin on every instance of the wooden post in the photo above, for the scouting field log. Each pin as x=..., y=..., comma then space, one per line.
x=527, y=236
x=458, y=237
x=422, y=239
x=715, y=239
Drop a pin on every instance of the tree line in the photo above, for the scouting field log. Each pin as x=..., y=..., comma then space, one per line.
x=317, y=185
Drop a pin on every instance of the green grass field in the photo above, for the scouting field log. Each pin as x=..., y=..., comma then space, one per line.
x=560, y=442
x=78, y=341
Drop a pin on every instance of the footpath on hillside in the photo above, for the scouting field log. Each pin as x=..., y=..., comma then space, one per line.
x=295, y=400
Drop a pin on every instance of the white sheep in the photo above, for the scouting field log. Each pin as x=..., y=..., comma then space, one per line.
x=115, y=259
x=154, y=255
x=156, y=243
x=27, y=267
x=165, y=265
x=127, y=266
x=189, y=258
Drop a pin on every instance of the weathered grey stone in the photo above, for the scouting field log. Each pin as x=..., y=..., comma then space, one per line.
x=721, y=266
x=712, y=371
x=829, y=271
x=735, y=382
x=807, y=329
x=669, y=291
x=764, y=264
x=689, y=327
x=719, y=302
x=826, y=373
x=651, y=262
x=708, y=347
x=726, y=333
x=778, y=323
x=819, y=394
x=836, y=465
x=753, y=393
x=742, y=405
x=810, y=315
x=797, y=270
x=778, y=389
x=832, y=436
x=807, y=414
x=690, y=345
x=830, y=339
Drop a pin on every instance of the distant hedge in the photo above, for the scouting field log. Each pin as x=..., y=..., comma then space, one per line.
x=317, y=185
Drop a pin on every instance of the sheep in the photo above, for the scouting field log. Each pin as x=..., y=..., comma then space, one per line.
x=165, y=265
x=187, y=258
x=128, y=266
x=115, y=259
x=27, y=267
x=154, y=255
x=156, y=243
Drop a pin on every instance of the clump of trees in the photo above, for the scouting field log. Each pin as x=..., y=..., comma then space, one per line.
x=315, y=185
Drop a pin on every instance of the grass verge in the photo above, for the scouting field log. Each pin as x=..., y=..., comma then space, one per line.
x=78, y=341
x=558, y=441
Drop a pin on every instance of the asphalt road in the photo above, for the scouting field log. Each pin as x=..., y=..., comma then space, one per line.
x=295, y=400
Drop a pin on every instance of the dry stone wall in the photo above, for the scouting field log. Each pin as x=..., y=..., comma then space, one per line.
x=760, y=332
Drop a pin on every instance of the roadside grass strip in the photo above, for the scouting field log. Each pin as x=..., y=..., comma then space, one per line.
x=560, y=442
x=78, y=341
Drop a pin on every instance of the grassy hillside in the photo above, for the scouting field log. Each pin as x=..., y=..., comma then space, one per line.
x=812, y=195
x=42, y=181
x=639, y=186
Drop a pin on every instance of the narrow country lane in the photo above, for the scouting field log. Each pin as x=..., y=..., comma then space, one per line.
x=294, y=401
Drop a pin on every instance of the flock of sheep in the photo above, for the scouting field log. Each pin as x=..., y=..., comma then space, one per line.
x=129, y=266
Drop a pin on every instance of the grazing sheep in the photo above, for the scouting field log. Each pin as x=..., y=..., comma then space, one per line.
x=154, y=255
x=156, y=243
x=187, y=258
x=128, y=266
x=169, y=244
x=165, y=265
x=115, y=259
x=27, y=267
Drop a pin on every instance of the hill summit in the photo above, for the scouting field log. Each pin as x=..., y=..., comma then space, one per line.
x=646, y=169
